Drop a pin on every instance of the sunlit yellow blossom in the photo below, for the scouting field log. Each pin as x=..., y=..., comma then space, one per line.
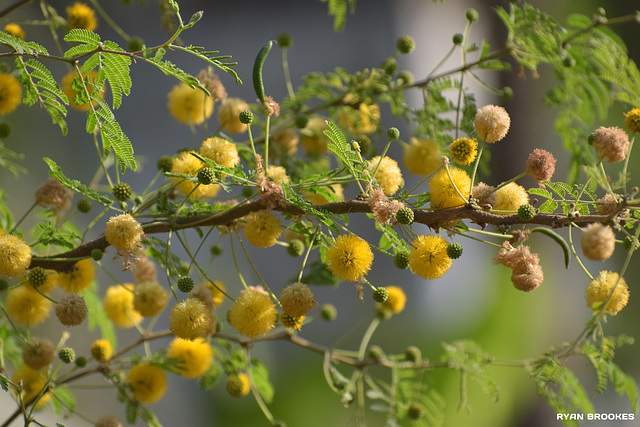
x=443, y=192
x=238, y=385
x=195, y=356
x=278, y=174
x=510, y=197
x=463, y=151
x=428, y=258
x=189, y=105
x=632, y=120
x=150, y=299
x=191, y=319
x=188, y=165
x=292, y=322
x=350, y=258
x=297, y=299
x=361, y=121
x=600, y=288
x=90, y=81
x=422, y=156
x=254, y=313
x=15, y=255
x=313, y=140
x=118, y=305
x=229, y=115
x=388, y=176
x=492, y=123
x=396, y=300
x=79, y=15
x=32, y=383
x=263, y=229
x=79, y=278
x=124, y=233
x=15, y=30
x=26, y=306
x=221, y=151
x=319, y=199
x=148, y=382
x=10, y=93
x=216, y=293
x=101, y=350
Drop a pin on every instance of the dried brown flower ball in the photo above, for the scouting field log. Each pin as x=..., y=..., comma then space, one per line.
x=598, y=242
x=611, y=144
x=541, y=164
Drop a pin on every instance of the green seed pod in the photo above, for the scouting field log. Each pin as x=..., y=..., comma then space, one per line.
x=454, y=250
x=121, y=192
x=380, y=294
x=185, y=284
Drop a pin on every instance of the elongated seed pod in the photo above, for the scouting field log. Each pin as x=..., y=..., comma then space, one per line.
x=258, y=85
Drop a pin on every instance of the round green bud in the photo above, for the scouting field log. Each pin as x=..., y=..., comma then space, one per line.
x=284, y=41
x=135, y=44
x=507, y=93
x=295, y=248
x=165, y=164
x=569, y=61
x=216, y=250
x=380, y=294
x=526, y=213
x=67, y=355
x=472, y=15
x=376, y=352
x=206, y=176
x=458, y=38
x=405, y=44
x=393, y=133
x=81, y=362
x=328, y=312
x=405, y=215
x=454, y=250
x=185, y=284
x=413, y=354
x=301, y=121
x=96, y=254
x=37, y=277
x=631, y=243
x=246, y=117
x=405, y=77
x=121, y=192
x=84, y=205
x=5, y=130
x=247, y=191
x=415, y=411
x=389, y=66
x=401, y=260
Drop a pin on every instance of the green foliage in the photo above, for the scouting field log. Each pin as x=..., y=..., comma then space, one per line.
x=75, y=185
x=97, y=316
x=8, y=159
x=63, y=401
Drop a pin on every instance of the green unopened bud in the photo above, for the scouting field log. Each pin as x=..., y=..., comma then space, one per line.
x=5, y=130
x=413, y=354
x=135, y=44
x=185, y=284
x=96, y=254
x=393, y=133
x=401, y=260
x=380, y=294
x=295, y=248
x=328, y=312
x=246, y=117
x=454, y=250
x=216, y=250
x=526, y=213
x=121, y=192
x=206, y=176
x=37, y=277
x=405, y=44
x=472, y=15
x=458, y=38
x=301, y=121
x=389, y=66
x=284, y=41
x=67, y=355
x=165, y=164
x=405, y=216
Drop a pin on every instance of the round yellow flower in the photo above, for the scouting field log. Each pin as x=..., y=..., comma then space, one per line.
x=510, y=197
x=492, y=123
x=90, y=81
x=313, y=140
x=263, y=229
x=221, y=151
x=297, y=299
x=320, y=199
x=350, y=258
x=15, y=255
x=422, y=156
x=101, y=350
x=292, y=322
x=32, y=383
x=26, y=306
x=278, y=174
x=216, y=287
x=396, y=300
x=632, y=120
x=118, y=305
x=389, y=176
x=80, y=277
x=254, y=313
x=150, y=299
x=148, y=382
x=195, y=356
x=15, y=30
x=124, y=233
x=189, y=105
x=229, y=115
x=463, y=151
x=79, y=15
x=238, y=385
x=191, y=319
x=443, y=192
x=10, y=93
x=189, y=165
x=364, y=120
x=285, y=143
x=428, y=258
x=600, y=288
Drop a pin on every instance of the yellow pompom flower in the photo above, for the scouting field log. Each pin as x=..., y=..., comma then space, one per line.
x=15, y=255
x=80, y=277
x=189, y=105
x=229, y=115
x=263, y=229
x=320, y=199
x=15, y=30
x=191, y=319
x=124, y=233
x=422, y=156
x=32, y=384
x=292, y=322
x=118, y=305
x=510, y=197
x=150, y=299
x=364, y=120
x=396, y=300
x=428, y=258
x=26, y=306
x=313, y=139
x=90, y=80
x=492, y=123
x=463, y=151
x=600, y=288
x=254, y=313
x=188, y=165
x=350, y=257
x=238, y=385
x=297, y=299
x=443, y=192
x=148, y=382
x=278, y=174
x=10, y=93
x=81, y=16
x=101, y=350
x=216, y=287
x=195, y=356
x=632, y=120
x=221, y=151
x=389, y=176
